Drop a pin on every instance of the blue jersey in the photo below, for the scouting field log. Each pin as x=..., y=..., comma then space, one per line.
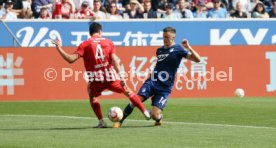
x=168, y=61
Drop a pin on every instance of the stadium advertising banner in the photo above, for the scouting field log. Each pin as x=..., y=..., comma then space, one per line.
x=142, y=33
x=41, y=73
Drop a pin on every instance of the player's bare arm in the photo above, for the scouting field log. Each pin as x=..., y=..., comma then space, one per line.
x=70, y=58
x=194, y=56
x=116, y=62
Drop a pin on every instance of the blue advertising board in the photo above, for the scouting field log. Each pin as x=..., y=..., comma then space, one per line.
x=141, y=33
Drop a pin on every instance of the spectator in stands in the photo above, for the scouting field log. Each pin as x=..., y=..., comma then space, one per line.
x=259, y=11
x=119, y=5
x=77, y=4
x=267, y=3
x=38, y=4
x=27, y=10
x=106, y=4
x=18, y=8
x=169, y=13
x=200, y=11
x=188, y=4
x=7, y=13
x=217, y=11
x=114, y=12
x=126, y=4
x=182, y=11
x=207, y=3
x=44, y=14
x=272, y=13
x=239, y=11
x=245, y=5
x=26, y=4
x=85, y=12
x=148, y=10
x=57, y=14
x=97, y=10
x=174, y=2
x=252, y=5
x=225, y=4
x=66, y=9
x=154, y=4
x=161, y=6
x=136, y=10
x=1, y=4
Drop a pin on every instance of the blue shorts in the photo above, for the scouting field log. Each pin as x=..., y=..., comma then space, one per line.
x=159, y=97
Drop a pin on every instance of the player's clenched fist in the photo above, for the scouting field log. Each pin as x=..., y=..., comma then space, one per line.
x=56, y=42
x=185, y=43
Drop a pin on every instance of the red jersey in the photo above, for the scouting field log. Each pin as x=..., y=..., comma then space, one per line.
x=84, y=13
x=96, y=53
x=66, y=10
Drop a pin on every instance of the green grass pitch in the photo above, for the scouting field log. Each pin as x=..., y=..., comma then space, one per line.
x=220, y=122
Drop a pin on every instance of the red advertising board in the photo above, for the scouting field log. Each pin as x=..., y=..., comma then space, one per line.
x=41, y=73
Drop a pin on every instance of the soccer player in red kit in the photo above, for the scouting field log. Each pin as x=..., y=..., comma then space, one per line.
x=103, y=67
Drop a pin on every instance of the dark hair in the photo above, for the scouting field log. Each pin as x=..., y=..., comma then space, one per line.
x=169, y=29
x=169, y=6
x=44, y=9
x=110, y=6
x=95, y=28
x=256, y=10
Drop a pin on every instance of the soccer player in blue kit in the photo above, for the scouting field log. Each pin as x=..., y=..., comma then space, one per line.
x=159, y=85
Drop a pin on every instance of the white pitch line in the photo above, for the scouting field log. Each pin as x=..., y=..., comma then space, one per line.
x=133, y=120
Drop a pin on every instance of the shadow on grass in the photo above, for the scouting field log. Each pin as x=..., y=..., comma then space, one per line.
x=137, y=126
x=71, y=128
x=46, y=129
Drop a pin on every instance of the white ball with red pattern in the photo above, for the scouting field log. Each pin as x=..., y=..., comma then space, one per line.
x=115, y=114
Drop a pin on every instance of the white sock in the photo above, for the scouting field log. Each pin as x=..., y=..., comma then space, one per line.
x=147, y=114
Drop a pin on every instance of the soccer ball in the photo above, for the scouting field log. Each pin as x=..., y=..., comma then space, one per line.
x=115, y=114
x=239, y=93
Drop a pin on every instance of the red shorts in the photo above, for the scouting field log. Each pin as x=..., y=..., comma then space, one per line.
x=96, y=88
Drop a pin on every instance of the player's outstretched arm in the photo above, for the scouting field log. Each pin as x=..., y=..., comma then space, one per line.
x=116, y=62
x=194, y=56
x=70, y=58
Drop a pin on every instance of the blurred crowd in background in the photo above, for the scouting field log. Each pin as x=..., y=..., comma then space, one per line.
x=136, y=9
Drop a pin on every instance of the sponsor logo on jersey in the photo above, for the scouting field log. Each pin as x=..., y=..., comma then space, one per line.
x=171, y=50
x=162, y=57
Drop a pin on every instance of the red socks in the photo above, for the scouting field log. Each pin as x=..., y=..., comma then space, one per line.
x=96, y=108
x=135, y=100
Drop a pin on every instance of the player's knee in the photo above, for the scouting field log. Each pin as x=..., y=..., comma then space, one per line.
x=93, y=100
x=127, y=94
x=142, y=98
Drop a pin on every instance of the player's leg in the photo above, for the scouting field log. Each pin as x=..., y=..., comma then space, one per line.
x=129, y=108
x=156, y=114
x=95, y=104
x=158, y=104
x=144, y=93
x=135, y=100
